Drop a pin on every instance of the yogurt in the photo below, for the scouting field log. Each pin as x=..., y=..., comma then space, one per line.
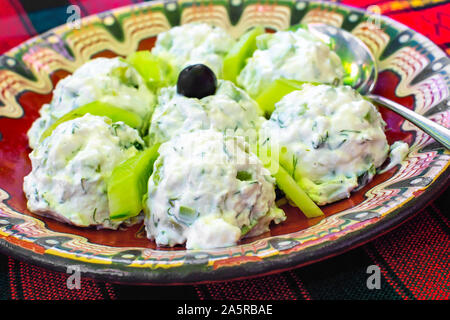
x=330, y=139
x=230, y=110
x=289, y=55
x=70, y=169
x=194, y=43
x=108, y=80
x=207, y=190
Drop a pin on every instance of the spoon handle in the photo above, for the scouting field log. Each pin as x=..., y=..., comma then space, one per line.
x=434, y=130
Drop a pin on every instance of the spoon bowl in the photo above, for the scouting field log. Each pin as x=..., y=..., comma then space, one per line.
x=361, y=73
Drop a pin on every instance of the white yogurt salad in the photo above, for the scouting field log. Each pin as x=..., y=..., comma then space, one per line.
x=209, y=191
x=329, y=137
x=194, y=43
x=229, y=110
x=70, y=169
x=290, y=55
x=198, y=138
x=107, y=80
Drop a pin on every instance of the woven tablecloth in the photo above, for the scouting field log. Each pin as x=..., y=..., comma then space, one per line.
x=413, y=258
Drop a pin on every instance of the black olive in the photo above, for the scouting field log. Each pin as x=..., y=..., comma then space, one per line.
x=196, y=81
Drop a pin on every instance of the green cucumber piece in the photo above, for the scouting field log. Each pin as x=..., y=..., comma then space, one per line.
x=276, y=91
x=287, y=184
x=244, y=176
x=128, y=184
x=98, y=108
x=289, y=161
x=187, y=215
x=296, y=194
x=236, y=58
x=156, y=71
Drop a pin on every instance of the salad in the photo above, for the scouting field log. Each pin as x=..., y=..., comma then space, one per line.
x=293, y=55
x=230, y=109
x=331, y=138
x=197, y=138
x=112, y=81
x=208, y=190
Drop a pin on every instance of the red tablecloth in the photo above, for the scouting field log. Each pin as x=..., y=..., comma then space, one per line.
x=414, y=258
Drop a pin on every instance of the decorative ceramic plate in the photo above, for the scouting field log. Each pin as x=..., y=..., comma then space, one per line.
x=413, y=72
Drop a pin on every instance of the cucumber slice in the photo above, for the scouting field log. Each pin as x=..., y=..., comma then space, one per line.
x=289, y=162
x=276, y=91
x=296, y=194
x=287, y=184
x=128, y=184
x=156, y=72
x=236, y=58
x=98, y=108
x=187, y=215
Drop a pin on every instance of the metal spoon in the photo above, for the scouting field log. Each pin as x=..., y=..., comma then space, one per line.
x=362, y=74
